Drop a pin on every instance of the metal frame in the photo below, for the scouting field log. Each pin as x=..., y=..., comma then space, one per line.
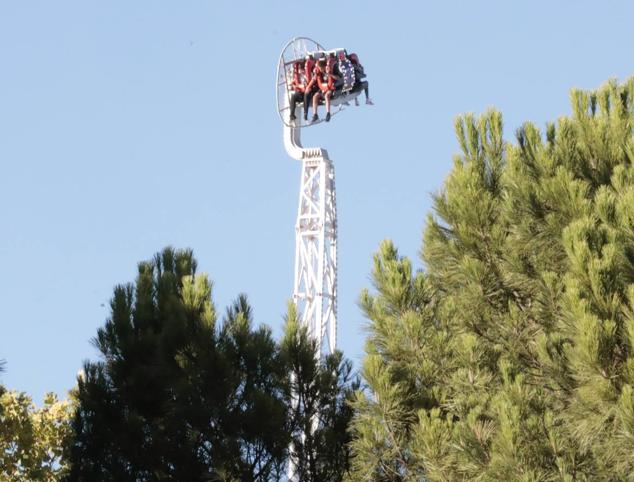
x=315, y=281
x=294, y=50
x=315, y=278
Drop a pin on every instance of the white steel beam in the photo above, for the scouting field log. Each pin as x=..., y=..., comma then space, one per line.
x=315, y=277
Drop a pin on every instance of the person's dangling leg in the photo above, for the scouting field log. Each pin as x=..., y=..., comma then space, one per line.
x=366, y=89
x=295, y=98
x=328, y=95
x=308, y=97
x=316, y=98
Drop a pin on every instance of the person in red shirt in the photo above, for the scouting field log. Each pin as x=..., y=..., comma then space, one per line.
x=326, y=82
x=311, y=82
x=298, y=85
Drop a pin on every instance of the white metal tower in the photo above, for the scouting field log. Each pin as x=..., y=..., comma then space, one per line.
x=315, y=280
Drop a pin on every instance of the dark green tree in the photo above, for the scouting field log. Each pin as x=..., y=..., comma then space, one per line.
x=319, y=394
x=511, y=357
x=176, y=397
x=256, y=416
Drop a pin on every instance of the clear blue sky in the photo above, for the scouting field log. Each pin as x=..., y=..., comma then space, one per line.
x=126, y=126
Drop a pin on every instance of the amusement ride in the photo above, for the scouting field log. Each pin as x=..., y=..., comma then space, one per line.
x=315, y=274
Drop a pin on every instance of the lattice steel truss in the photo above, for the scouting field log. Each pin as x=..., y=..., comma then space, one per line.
x=315, y=280
x=315, y=285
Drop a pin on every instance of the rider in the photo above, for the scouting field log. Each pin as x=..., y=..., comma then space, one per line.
x=326, y=81
x=360, y=74
x=311, y=82
x=299, y=86
x=346, y=71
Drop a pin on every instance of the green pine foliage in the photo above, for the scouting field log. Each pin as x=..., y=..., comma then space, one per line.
x=511, y=357
x=180, y=396
x=319, y=395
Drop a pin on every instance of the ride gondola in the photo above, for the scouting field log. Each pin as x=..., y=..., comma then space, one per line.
x=303, y=53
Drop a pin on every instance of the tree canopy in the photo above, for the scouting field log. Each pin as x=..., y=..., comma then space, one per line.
x=33, y=441
x=320, y=392
x=511, y=356
x=180, y=396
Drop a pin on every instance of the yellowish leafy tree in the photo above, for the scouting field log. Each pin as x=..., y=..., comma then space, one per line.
x=33, y=441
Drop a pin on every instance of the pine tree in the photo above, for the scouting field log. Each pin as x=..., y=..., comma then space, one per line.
x=318, y=397
x=511, y=356
x=176, y=397
x=180, y=396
